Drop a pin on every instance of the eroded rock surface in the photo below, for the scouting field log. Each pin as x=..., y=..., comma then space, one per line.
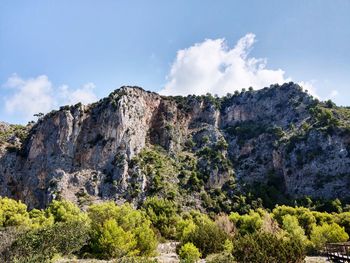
x=276, y=137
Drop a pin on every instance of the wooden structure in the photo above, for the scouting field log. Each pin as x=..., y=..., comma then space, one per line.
x=338, y=252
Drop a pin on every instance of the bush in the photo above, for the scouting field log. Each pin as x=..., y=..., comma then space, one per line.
x=248, y=223
x=327, y=233
x=222, y=258
x=343, y=220
x=184, y=228
x=294, y=230
x=189, y=253
x=109, y=220
x=305, y=217
x=163, y=215
x=114, y=242
x=208, y=238
x=265, y=247
x=66, y=211
x=41, y=245
x=13, y=213
x=40, y=218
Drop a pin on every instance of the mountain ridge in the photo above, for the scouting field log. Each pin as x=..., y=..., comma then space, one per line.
x=270, y=146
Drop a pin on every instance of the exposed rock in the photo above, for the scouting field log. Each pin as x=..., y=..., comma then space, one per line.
x=167, y=252
x=4, y=126
x=88, y=153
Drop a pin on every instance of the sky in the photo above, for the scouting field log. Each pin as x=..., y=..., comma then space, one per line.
x=62, y=52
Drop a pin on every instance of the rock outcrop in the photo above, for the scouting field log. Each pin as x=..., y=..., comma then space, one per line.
x=275, y=139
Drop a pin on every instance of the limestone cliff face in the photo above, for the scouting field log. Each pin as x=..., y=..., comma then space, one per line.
x=88, y=152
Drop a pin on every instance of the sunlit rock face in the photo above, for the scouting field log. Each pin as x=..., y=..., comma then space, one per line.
x=88, y=152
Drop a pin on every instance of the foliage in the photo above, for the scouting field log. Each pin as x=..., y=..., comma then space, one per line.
x=324, y=117
x=163, y=215
x=207, y=237
x=189, y=253
x=159, y=169
x=120, y=232
x=41, y=245
x=228, y=246
x=19, y=131
x=294, y=230
x=184, y=228
x=327, y=233
x=327, y=116
x=114, y=242
x=66, y=211
x=305, y=217
x=40, y=218
x=246, y=130
x=13, y=213
x=343, y=219
x=133, y=224
x=266, y=247
x=221, y=257
x=248, y=223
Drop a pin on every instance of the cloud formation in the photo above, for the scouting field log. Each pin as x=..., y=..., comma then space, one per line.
x=30, y=96
x=85, y=94
x=311, y=89
x=211, y=66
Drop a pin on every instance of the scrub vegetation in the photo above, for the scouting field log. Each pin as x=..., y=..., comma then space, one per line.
x=110, y=231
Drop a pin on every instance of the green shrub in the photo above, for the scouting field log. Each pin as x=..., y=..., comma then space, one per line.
x=19, y=131
x=114, y=242
x=41, y=245
x=13, y=213
x=305, y=217
x=40, y=218
x=294, y=230
x=343, y=220
x=208, y=238
x=163, y=215
x=247, y=130
x=108, y=219
x=189, y=253
x=265, y=247
x=66, y=211
x=323, y=217
x=248, y=223
x=184, y=228
x=326, y=233
x=159, y=168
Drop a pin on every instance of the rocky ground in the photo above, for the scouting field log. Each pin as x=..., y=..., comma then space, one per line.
x=167, y=254
x=316, y=260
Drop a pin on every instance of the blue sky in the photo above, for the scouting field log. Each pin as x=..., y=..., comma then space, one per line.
x=60, y=52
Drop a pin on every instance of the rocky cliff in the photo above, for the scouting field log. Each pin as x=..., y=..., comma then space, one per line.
x=274, y=144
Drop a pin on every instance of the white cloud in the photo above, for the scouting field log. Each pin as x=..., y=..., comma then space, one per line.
x=211, y=66
x=30, y=96
x=334, y=93
x=85, y=94
x=310, y=88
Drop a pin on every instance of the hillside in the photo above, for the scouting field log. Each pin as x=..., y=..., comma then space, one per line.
x=248, y=149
